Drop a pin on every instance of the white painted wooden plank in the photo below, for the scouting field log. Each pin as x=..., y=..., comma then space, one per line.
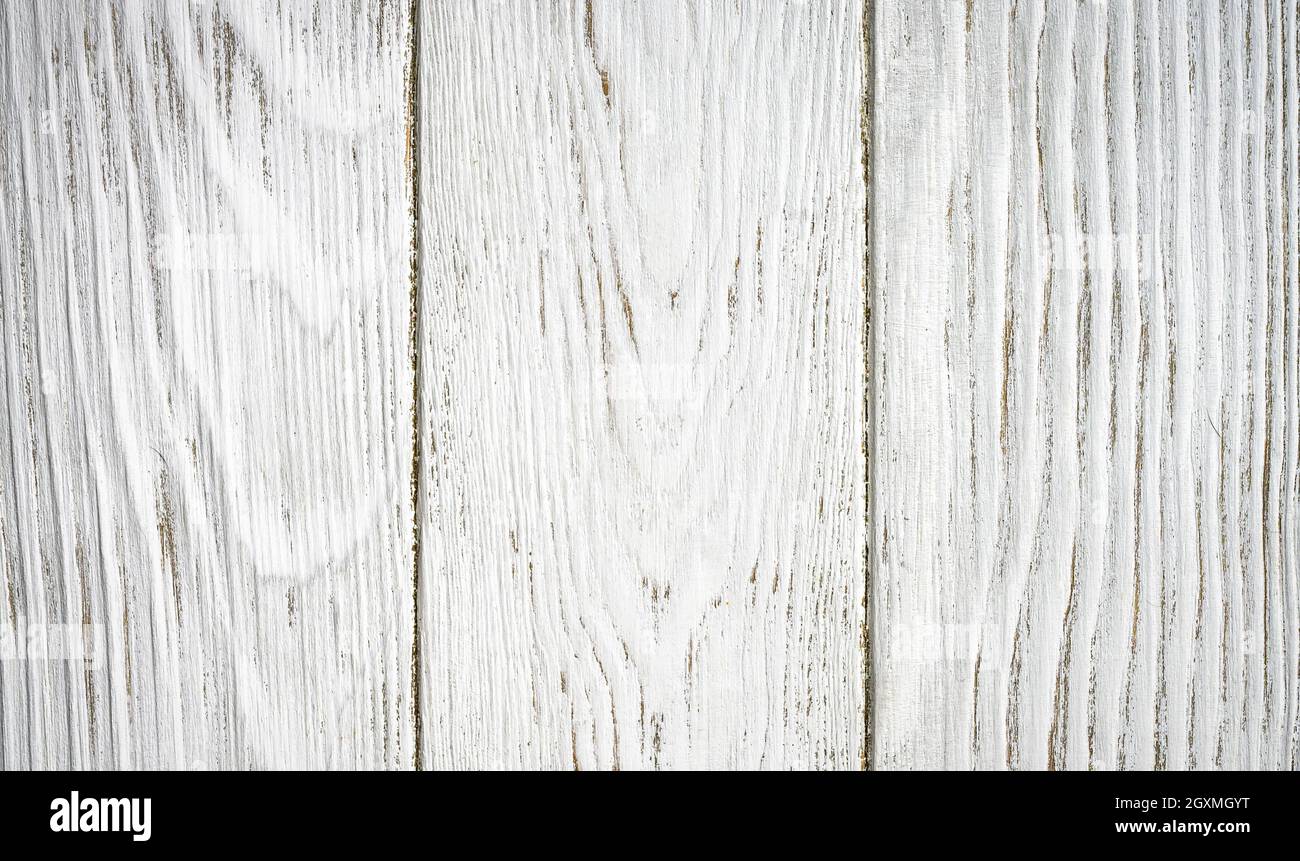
x=204, y=214
x=1086, y=548
x=641, y=385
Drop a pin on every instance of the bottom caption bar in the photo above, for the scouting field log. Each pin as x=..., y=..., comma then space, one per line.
x=141, y=811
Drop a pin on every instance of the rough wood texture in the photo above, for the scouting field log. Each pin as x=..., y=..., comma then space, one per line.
x=1085, y=519
x=466, y=384
x=204, y=219
x=642, y=484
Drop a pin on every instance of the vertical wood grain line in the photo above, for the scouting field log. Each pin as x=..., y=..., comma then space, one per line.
x=415, y=333
x=868, y=393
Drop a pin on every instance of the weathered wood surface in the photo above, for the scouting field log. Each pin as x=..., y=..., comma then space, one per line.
x=568, y=384
x=642, y=479
x=636, y=339
x=1085, y=531
x=204, y=282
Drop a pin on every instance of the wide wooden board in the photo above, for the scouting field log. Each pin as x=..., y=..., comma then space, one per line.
x=204, y=281
x=641, y=383
x=1086, y=542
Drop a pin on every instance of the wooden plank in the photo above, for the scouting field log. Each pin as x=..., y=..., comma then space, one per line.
x=206, y=406
x=1085, y=531
x=641, y=385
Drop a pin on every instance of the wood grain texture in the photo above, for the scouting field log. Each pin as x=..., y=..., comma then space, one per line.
x=1085, y=531
x=204, y=281
x=641, y=405
x=650, y=384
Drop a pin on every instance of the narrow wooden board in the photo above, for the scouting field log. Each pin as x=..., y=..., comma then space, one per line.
x=1086, y=541
x=204, y=281
x=641, y=378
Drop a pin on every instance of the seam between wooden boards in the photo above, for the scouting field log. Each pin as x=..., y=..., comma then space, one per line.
x=415, y=332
